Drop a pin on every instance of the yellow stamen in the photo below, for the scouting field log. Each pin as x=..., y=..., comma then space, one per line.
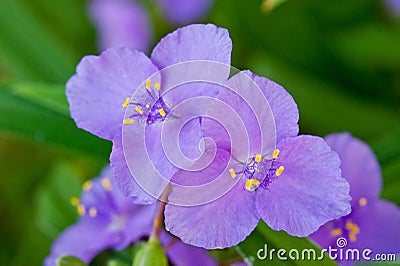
x=81, y=210
x=139, y=110
x=352, y=236
x=275, y=154
x=349, y=225
x=362, y=202
x=147, y=106
x=128, y=121
x=87, y=185
x=252, y=184
x=148, y=84
x=157, y=86
x=106, y=183
x=257, y=158
x=74, y=201
x=232, y=172
x=162, y=112
x=92, y=212
x=279, y=171
x=126, y=102
x=336, y=232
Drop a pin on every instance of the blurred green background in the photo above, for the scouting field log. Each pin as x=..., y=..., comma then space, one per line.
x=339, y=59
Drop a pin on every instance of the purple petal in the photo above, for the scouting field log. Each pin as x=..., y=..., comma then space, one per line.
x=139, y=223
x=123, y=178
x=181, y=254
x=378, y=229
x=393, y=5
x=84, y=240
x=359, y=166
x=379, y=223
x=283, y=107
x=101, y=85
x=183, y=12
x=194, y=42
x=310, y=191
x=121, y=23
x=268, y=112
x=221, y=223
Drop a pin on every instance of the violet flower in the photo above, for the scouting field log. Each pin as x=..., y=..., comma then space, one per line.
x=109, y=220
x=373, y=223
x=126, y=23
x=182, y=12
x=294, y=186
x=394, y=6
x=99, y=94
x=121, y=23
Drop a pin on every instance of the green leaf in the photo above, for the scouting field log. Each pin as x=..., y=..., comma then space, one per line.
x=29, y=51
x=151, y=254
x=54, y=210
x=70, y=261
x=265, y=239
x=325, y=108
x=48, y=95
x=43, y=119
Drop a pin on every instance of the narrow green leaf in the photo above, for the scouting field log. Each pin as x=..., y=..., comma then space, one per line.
x=53, y=209
x=325, y=108
x=26, y=118
x=51, y=96
x=28, y=50
x=264, y=240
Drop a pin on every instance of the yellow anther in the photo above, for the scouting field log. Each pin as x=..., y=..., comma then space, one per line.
x=362, y=202
x=257, y=158
x=157, y=86
x=252, y=184
x=162, y=112
x=279, y=171
x=349, y=225
x=126, y=102
x=74, y=201
x=352, y=236
x=87, y=185
x=356, y=229
x=148, y=84
x=128, y=121
x=139, y=110
x=147, y=105
x=92, y=212
x=232, y=172
x=106, y=183
x=275, y=153
x=81, y=209
x=336, y=232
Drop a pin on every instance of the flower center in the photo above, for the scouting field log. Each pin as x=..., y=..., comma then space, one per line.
x=259, y=171
x=143, y=110
x=348, y=227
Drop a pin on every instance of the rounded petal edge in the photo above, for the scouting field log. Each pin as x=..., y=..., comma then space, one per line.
x=309, y=192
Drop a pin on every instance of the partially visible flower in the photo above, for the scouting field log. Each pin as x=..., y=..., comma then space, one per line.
x=373, y=223
x=393, y=6
x=182, y=12
x=101, y=90
x=121, y=23
x=294, y=186
x=109, y=220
